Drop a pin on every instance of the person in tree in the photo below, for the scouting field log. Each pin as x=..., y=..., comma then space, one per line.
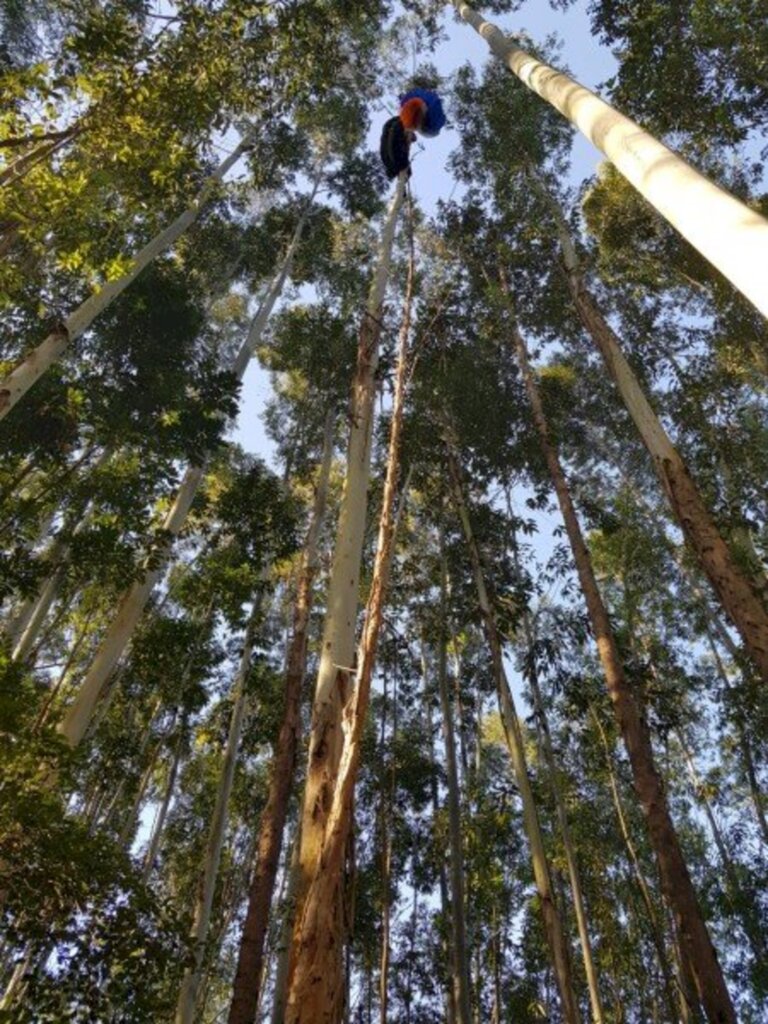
x=420, y=111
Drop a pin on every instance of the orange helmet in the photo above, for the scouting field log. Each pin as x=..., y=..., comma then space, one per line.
x=412, y=114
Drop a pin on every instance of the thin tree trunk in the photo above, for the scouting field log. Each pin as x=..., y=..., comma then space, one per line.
x=134, y=600
x=248, y=974
x=745, y=748
x=731, y=235
x=27, y=625
x=316, y=988
x=17, y=982
x=185, y=1008
x=496, y=940
x=125, y=837
x=678, y=888
x=280, y=991
x=445, y=903
x=742, y=903
x=387, y=806
x=22, y=165
x=553, y=925
x=652, y=921
x=21, y=379
x=545, y=743
x=460, y=959
x=157, y=830
x=57, y=687
x=738, y=596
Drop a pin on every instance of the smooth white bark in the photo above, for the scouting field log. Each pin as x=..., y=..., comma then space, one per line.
x=21, y=379
x=338, y=647
x=134, y=600
x=26, y=628
x=731, y=235
x=80, y=712
x=185, y=1009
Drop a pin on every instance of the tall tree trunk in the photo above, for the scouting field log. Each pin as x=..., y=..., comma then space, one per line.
x=737, y=594
x=159, y=825
x=130, y=819
x=134, y=600
x=678, y=888
x=280, y=988
x=248, y=974
x=21, y=379
x=445, y=903
x=185, y=1008
x=459, y=958
x=651, y=916
x=742, y=903
x=315, y=987
x=28, y=623
x=745, y=747
x=387, y=807
x=553, y=926
x=731, y=235
x=545, y=744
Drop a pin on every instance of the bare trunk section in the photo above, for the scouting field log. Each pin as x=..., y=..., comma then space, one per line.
x=745, y=747
x=387, y=806
x=654, y=926
x=733, y=237
x=553, y=926
x=742, y=902
x=545, y=743
x=315, y=986
x=21, y=379
x=27, y=626
x=695, y=940
x=736, y=593
x=459, y=958
x=248, y=974
x=159, y=824
x=134, y=600
x=185, y=1008
x=280, y=989
x=445, y=903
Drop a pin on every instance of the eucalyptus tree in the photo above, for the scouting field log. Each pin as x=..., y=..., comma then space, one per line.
x=686, y=75
x=134, y=599
x=673, y=186
x=255, y=71
x=258, y=502
x=536, y=152
x=696, y=944
x=316, y=946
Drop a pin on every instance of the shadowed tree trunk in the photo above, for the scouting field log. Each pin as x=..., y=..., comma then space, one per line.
x=651, y=916
x=185, y=1008
x=545, y=744
x=695, y=942
x=134, y=600
x=460, y=957
x=553, y=926
x=248, y=974
x=316, y=990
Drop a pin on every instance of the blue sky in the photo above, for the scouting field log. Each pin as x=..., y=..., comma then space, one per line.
x=586, y=60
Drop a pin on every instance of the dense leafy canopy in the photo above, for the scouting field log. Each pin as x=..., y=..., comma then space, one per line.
x=114, y=117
